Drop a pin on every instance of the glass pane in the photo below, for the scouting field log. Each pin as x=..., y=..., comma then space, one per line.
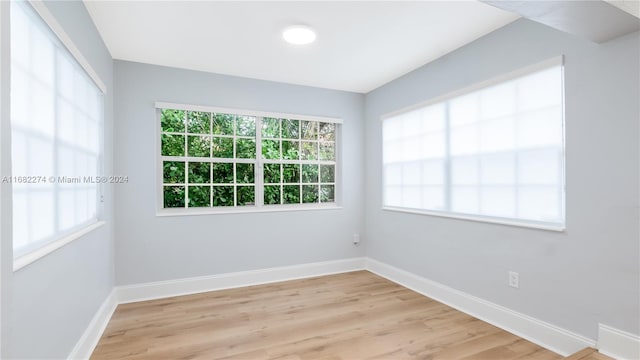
x=327, y=132
x=172, y=120
x=271, y=194
x=270, y=128
x=223, y=196
x=174, y=196
x=199, y=146
x=272, y=173
x=540, y=90
x=199, y=173
x=246, y=195
x=393, y=196
x=411, y=197
x=464, y=199
x=539, y=167
x=327, y=151
x=291, y=194
x=309, y=173
x=433, y=118
x=498, y=201
x=271, y=149
x=290, y=129
x=222, y=147
x=246, y=148
x=433, y=172
x=244, y=173
x=327, y=173
x=498, y=100
x=309, y=130
x=222, y=173
x=464, y=110
x=310, y=194
x=497, y=135
x=291, y=173
x=290, y=150
x=309, y=150
x=433, y=145
x=464, y=140
x=327, y=193
x=223, y=124
x=172, y=145
x=433, y=197
x=498, y=169
x=173, y=172
x=540, y=128
x=464, y=171
x=412, y=173
x=245, y=126
x=541, y=203
x=393, y=174
x=198, y=122
x=199, y=196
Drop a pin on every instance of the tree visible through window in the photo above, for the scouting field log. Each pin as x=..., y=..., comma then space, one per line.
x=209, y=159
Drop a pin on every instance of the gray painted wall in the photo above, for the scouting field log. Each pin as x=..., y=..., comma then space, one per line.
x=576, y=279
x=152, y=248
x=49, y=304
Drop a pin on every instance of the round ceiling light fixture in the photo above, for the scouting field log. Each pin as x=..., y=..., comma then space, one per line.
x=299, y=35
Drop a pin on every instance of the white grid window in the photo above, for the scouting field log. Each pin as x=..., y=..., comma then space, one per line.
x=493, y=152
x=56, y=120
x=208, y=159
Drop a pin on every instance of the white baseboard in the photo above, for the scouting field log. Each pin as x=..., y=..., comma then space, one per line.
x=89, y=339
x=544, y=334
x=163, y=289
x=618, y=344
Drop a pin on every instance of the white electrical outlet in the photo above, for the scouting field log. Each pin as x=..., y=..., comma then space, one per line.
x=514, y=279
x=356, y=239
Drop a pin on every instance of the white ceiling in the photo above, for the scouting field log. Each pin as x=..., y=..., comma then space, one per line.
x=360, y=46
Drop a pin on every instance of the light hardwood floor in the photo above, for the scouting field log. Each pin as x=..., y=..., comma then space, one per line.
x=355, y=315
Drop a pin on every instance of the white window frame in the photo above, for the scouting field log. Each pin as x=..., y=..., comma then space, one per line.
x=258, y=161
x=545, y=64
x=61, y=239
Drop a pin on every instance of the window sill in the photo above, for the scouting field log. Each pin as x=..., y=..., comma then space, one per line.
x=499, y=221
x=244, y=210
x=26, y=259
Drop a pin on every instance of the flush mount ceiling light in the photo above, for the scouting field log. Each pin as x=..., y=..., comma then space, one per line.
x=299, y=35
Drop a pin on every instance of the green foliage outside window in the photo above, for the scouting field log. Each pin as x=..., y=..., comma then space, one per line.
x=229, y=142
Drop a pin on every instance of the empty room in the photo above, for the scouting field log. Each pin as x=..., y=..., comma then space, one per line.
x=303, y=180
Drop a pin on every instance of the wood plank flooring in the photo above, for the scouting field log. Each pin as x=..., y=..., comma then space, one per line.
x=348, y=316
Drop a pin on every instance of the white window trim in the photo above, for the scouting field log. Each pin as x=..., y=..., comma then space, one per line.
x=23, y=260
x=259, y=164
x=555, y=61
x=28, y=258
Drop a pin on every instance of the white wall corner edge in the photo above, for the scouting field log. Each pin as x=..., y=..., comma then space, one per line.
x=618, y=344
x=549, y=336
x=163, y=289
x=89, y=339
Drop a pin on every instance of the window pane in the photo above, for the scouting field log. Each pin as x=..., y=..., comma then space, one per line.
x=309, y=150
x=270, y=128
x=199, y=173
x=199, y=196
x=223, y=196
x=246, y=195
x=433, y=197
x=199, y=146
x=173, y=172
x=309, y=130
x=271, y=173
x=244, y=173
x=498, y=169
x=172, y=120
x=327, y=151
x=272, y=194
x=222, y=147
x=327, y=173
x=271, y=149
x=540, y=203
x=464, y=199
x=464, y=171
x=223, y=124
x=310, y=193
x=498, y=201
x=222, y=173
x=539, y=167
x=245, y=126
x=290, y=150
x=174, y=196
x=290, y=129
x=309, y=173
x=198, y=122
x=327, y=193
x=246, y=148
x=291, y=194
x=172, y=145
x=327, y=132
x=290, y=173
